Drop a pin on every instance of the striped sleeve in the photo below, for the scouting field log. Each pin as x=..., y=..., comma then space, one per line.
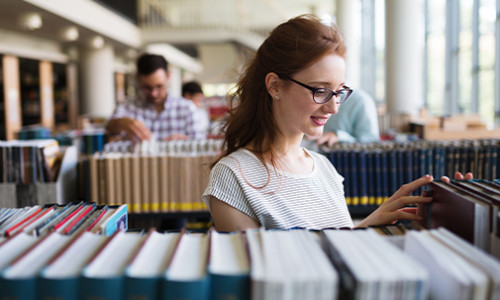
x=225, y=186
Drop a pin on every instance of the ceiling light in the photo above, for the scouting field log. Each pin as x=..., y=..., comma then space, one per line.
x=97, y=42
x=70, y=34
x=31, y=21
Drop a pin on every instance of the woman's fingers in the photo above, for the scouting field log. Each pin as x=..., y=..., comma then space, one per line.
x=408, y=188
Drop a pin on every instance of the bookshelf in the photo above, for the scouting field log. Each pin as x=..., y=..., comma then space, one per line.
x=170, y=220
x=11, y=95
x=29, y=70
x=37, y=92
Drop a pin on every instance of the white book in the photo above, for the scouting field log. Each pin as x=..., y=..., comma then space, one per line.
x=115, y=257
x=451, y=277
x=482, y=260
x=70, y=263
x=15, y=246
x=30, y=264
x=153, y=257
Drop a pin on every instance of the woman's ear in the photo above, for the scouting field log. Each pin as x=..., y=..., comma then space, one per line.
x=272, y=84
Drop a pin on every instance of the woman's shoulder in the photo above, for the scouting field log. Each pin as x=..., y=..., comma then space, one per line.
x=238, y=157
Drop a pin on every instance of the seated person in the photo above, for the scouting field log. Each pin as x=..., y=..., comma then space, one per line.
x=156, y=112
x=192, y=91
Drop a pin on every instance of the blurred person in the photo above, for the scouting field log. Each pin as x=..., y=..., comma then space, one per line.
x=156, y=112
x=192, y=91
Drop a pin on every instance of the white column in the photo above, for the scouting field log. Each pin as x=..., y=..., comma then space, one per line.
x=175, y=80
x=404, y=56
x=98, y=92
x=348, y=20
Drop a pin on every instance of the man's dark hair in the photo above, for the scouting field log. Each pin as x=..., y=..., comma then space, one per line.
x=149, y=63
x=191, y=87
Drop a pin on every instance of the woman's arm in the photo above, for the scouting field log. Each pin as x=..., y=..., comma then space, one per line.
x=228, y=218
x=395, y=209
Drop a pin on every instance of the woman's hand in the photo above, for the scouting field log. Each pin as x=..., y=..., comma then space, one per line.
x=458, y=176
x=395, y=209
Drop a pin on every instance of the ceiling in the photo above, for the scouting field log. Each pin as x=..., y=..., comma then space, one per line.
x=188, y=25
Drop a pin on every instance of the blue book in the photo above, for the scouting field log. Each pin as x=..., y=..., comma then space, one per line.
x=393, y=171
x=353, y=176
x=361, y=172
x=103, y=277
x=186, y=276
x=60, y=278
x=117, y=221
x=371, y=174
x=19, y=279
x=229, y=267
x=144, y=273
x=401, y=168
x=381, y=180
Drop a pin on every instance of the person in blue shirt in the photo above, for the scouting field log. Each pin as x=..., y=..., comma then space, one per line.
x=356, y=121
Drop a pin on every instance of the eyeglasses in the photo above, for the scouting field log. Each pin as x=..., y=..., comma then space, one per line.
x=323, y=95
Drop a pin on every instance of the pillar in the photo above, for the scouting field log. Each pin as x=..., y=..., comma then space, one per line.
x=347, y=16
x=404, y=56
x=97, y=83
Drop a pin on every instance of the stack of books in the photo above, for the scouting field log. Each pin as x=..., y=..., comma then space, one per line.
x=29, y=161
x=256, y=264
x=468, y=208
x=374, y=171
x=152, y=177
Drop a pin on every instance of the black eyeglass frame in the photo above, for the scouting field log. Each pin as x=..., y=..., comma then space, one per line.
x=314, y=90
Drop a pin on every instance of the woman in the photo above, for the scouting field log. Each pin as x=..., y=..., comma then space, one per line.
x=263, y=177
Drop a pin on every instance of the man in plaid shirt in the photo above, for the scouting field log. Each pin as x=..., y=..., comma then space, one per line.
x=167, y=117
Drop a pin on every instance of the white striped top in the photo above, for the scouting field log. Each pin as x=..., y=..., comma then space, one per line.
x=313, y=201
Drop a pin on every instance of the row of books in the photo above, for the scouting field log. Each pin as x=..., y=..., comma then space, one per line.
x=469, y=208
x=29, y=161
x=34, y=132
x=68, y=219
x=256, y=264
x=146, y=182
x=374, y=171
x=175, y=147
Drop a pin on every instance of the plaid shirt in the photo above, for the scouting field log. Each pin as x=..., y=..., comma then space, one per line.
x=176, y=118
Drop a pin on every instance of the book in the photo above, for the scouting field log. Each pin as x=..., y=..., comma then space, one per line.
x=186, y=276
x=371, y=267
x=274, y=277
x=143, y=274
x=103, y=276
x=228, y=267
x=480, y=259
x=450, y=204
x=451, y=277
x=12, y=247
x=19, y=279
x=60, y=278
x=118, y=220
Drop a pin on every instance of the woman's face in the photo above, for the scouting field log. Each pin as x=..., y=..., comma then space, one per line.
x=295, y=110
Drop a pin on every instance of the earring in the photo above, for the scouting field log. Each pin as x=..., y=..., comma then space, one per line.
x=276, y=96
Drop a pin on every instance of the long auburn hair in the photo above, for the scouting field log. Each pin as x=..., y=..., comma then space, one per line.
x=290, y=47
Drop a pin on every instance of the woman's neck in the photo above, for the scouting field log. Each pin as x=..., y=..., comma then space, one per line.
x=288, y=156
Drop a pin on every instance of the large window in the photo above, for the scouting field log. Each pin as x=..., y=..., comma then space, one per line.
x=460, y=53
x=460, y=48
x=436, y=45
x=486, y=72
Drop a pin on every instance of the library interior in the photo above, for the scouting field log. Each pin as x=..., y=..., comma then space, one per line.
x=242, y=149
